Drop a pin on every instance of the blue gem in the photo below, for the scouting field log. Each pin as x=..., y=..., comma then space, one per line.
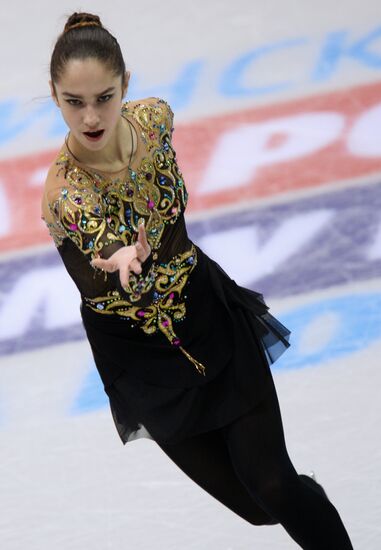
x=122, y=228
x=100, y=306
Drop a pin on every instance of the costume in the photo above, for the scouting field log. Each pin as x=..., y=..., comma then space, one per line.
x=184, y=349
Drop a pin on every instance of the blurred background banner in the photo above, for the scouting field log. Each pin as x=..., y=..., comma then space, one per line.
x=278, y=137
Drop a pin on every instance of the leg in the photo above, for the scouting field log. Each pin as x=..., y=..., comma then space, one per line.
x=259, y=456
x=204, y=458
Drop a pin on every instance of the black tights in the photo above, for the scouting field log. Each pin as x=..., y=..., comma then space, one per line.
x=245, y=465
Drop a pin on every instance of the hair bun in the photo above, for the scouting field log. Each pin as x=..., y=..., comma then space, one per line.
x=82, y=19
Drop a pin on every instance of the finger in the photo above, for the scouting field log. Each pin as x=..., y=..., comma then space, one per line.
x=140, y=251
x=101, y=263
x=136, y=266
x=144, y=245
x=124, y=275
x=142, y=237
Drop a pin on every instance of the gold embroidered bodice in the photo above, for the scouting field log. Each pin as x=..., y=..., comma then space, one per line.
x=90, y=214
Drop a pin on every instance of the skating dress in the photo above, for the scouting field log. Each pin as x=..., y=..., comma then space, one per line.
x=183, y=349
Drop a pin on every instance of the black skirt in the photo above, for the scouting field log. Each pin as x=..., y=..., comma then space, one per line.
x=156, y=392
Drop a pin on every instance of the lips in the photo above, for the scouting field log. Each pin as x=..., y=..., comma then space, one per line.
x=94, y=136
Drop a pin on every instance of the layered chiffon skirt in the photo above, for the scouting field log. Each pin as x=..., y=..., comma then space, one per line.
x=156, y=392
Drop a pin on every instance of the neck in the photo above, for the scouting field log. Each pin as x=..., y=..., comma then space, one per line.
x=115, y=154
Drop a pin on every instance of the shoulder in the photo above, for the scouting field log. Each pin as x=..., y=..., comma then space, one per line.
x=150, y=111
x=63, y=179
x=154, y=103
x=57, y=171
x=53, y=182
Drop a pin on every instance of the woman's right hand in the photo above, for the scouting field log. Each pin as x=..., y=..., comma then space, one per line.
x=126, y=259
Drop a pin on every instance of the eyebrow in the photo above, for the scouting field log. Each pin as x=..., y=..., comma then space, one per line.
x=111, y=89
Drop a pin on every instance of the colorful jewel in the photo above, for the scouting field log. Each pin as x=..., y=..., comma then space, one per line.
x=156, y=188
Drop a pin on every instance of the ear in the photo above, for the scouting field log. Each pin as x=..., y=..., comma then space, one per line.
x=53, y=93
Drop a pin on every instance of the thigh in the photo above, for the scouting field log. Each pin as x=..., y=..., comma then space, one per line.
x=204, y=458
x=257, y=448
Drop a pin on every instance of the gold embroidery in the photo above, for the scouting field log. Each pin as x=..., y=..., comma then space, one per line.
x=93, y=204
x=81, y=216
x=58, y=235
x=167, y=305
x=94, y=211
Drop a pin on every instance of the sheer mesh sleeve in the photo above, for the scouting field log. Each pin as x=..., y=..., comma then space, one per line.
x=80, y=214
x=81, y=229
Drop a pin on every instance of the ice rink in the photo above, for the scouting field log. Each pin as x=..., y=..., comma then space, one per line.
x=278, y=135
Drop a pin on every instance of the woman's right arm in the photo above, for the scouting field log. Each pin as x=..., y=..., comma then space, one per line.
x=80, y=215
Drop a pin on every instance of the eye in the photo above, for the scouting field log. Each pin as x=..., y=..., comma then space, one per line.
x=105, y=98
x=70, y=101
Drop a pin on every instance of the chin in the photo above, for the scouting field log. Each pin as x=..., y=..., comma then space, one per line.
x=93, y=145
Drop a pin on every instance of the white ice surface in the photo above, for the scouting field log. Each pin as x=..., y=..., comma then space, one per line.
x=67, y=482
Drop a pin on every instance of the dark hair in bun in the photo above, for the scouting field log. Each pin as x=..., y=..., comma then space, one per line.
x=81, y=20
x=84, y=36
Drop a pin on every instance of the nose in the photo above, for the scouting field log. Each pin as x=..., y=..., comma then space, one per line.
x=91, y=118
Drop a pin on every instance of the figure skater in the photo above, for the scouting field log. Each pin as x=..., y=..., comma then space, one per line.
x=183, y=351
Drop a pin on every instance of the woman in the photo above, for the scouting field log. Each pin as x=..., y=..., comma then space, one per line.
x=184, y=352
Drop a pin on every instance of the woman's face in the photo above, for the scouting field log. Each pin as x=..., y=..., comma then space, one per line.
x=90, y=98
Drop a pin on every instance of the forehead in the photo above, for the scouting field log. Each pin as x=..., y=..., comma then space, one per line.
x=86, y=77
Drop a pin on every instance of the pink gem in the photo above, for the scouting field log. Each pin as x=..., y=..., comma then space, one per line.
x=151, y=204
x=176, y=342
x=73, y=226
x=172, y=295
x=152, y=135
x=141, y=313
x=174, y=210
x=165, y=323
